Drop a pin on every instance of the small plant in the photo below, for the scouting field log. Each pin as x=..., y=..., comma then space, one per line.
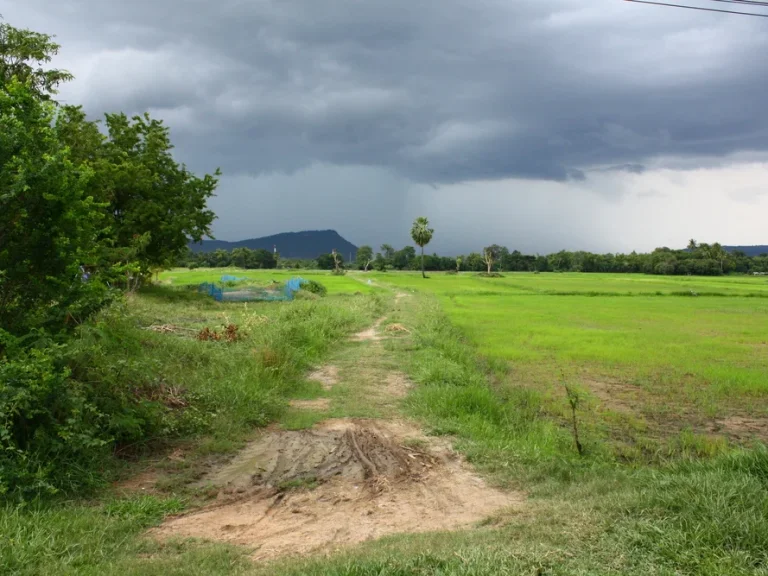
x=574, y=399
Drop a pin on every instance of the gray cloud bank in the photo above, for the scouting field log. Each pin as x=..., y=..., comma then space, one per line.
x=434, y=93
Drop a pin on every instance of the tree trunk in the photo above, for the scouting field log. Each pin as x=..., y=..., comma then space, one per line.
x=489, y=264
x=423, y=275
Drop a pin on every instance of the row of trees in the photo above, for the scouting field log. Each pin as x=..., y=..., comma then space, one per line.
x=696, y=259
x=240, y=257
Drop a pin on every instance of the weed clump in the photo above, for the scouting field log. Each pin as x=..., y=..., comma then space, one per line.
x=314, y=287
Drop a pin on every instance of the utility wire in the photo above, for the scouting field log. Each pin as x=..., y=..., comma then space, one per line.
x=699, y=8
x=744, y=2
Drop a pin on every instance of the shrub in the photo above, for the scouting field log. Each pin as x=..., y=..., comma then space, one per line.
x=314, y=287
x=49, y=431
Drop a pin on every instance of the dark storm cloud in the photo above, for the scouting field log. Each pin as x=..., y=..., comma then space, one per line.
x=438, y=92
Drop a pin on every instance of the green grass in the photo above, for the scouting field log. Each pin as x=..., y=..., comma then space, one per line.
x=656, y=492
x=652, y=368
x=576, y=283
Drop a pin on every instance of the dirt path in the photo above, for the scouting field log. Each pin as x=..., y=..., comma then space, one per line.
x=347, y=479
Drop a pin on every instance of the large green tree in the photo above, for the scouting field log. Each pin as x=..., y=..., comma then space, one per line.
x=490, y=255
x=155, y=204
x=48, y=222
x=364, y=257
x=421, y=234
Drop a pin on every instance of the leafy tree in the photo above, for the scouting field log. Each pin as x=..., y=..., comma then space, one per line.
x=490, y=255
x=149, y=192
x=380, y=263
x=149, y=195
x=458, y=263
x=388, y=252
x=22, y=55
x=364, y=257
x=402, y=258
x=421, y=234
x=325, y=262
x=48, y=224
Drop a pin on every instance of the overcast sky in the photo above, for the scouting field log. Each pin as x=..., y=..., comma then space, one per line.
x=537, y=124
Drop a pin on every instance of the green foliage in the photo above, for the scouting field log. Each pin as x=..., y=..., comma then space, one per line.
x=48, y=223
x=50, y=433
x=364, y=257
x=315, y=287
x=22, y=55
x=326, y=261
x=150, y=196
x=421, y=234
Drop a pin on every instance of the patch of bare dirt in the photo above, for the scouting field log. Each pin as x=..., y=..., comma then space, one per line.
x=372, y=478
x=742, y=428
x=397, y=385
x=317, y=404
x=615, y=396
x=370, y=334
x=396, y=329
x=328, y=376
x=144, y=482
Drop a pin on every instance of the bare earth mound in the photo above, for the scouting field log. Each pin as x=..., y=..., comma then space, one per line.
x=368, y=479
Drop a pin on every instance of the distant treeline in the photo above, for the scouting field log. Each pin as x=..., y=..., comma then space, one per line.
x=240, y=257
x=697, y=259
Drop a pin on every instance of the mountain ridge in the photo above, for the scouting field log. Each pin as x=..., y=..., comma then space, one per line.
x=302, y=244
x=756, y=250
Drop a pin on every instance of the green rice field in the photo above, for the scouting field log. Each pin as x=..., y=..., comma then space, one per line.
x=654, y=357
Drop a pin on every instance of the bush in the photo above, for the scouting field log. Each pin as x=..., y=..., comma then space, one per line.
x=314, y=287
x=490, y=275
x=50, y=432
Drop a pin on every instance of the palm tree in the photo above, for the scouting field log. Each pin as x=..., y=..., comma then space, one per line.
x=692, y=245
x=421, y=234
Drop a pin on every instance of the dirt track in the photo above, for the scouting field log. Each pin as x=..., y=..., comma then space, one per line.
x=342, y=482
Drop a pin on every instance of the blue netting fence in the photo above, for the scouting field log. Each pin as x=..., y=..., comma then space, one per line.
x=245, y=293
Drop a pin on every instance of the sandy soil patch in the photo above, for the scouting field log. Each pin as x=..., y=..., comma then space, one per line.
x=317, y=404
x=742, y=428
x=328, y=376
x=340, y=483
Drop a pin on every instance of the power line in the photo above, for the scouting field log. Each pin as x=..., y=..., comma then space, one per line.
x=744, y=2
x=699, y=8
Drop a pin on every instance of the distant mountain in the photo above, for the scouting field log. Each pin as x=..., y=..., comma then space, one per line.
x=748, y=250
x=307, y=244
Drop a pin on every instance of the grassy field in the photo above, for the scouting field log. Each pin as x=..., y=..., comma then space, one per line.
x=656, y=370
x=671, y=411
